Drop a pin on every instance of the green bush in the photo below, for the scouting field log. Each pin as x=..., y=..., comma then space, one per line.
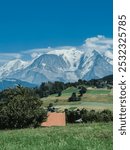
x=88, y=116
x=74, y=98
x=106, y=116
x=21, y=109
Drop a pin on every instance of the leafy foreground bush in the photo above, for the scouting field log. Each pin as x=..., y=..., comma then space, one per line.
x=88, y=116
x=20, y=108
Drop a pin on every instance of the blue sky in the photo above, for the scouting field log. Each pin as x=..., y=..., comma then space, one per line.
x=32, y=24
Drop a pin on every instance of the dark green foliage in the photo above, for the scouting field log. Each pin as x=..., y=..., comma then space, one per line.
x=49, y=88
x=72, y=116
x=99, y=83
x=106, y=115
x=59, y=93
x=74, y=98
x=51, y=108
x=80, y=81
x=82, y=90
x=88, y=116
x=21, y=109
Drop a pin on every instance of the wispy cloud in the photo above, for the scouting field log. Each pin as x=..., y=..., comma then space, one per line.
x=34, y=53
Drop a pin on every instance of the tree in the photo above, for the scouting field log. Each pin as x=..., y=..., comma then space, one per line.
x=80, y=81
x=21, y=109
x=51, y=108
x=82, y=91
x=73, y=97
x=43, y=90
x=59, y=93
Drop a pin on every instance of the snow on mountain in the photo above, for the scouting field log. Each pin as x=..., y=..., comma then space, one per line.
x=67, y=65
x=11, y=67
x=94, y=67
x=71, y=56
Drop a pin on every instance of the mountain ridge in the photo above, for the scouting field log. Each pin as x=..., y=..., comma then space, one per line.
x=11, y=82
x=67, y=65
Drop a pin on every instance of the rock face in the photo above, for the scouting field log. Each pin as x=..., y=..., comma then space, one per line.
x=65, y=65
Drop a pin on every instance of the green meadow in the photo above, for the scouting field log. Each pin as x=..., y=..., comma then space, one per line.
x=85, y=136
x=97, y=99
x=95, y=136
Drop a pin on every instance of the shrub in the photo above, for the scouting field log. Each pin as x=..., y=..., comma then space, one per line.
x=88, y=116
x=21, y=109
x=106, y=116
x=74, y=98
x=82, y=90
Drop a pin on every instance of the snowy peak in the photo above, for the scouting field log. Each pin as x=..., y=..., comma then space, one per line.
x=97, y=67
x=49, y=61
x=15, y=64
x=71, y=56
x=12, y=66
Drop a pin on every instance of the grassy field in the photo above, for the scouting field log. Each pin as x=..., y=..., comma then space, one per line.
x=97, y=99
x=95, y=136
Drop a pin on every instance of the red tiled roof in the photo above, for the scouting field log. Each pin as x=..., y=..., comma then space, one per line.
x=55, y=119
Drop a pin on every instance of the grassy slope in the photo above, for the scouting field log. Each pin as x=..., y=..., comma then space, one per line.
x=94, y=99
x=95, y=136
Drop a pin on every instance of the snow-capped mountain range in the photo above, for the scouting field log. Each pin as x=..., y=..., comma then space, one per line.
x=67, y=65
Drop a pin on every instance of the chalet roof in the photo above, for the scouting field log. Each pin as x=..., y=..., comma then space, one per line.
x=55, y=119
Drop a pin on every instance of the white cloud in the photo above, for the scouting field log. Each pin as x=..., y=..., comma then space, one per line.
x=34, y=53
x=98, y=43
x=37, y=50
